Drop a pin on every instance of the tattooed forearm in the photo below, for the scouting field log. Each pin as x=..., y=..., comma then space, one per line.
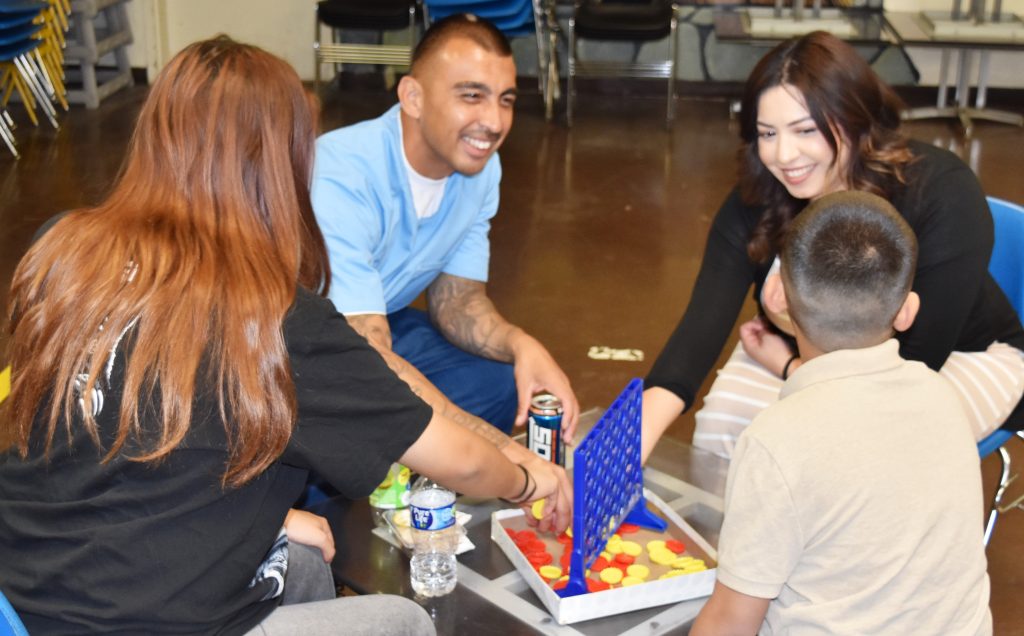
x=373, y=327
x=466, y=316
x=478, y=426
x=376, y=331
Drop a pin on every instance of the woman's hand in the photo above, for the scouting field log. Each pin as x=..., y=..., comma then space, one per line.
x=310, y=529
x=554, y=487
x=767, y=348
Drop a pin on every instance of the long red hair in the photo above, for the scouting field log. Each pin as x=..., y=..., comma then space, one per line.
x=196, y=254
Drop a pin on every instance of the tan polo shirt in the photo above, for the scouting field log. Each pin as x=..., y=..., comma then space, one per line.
x=855, y=503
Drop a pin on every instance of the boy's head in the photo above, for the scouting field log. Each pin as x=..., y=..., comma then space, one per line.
x=848, y=263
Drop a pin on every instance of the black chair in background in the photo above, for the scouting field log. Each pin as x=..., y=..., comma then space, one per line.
x=370, y=15
x=623, y=20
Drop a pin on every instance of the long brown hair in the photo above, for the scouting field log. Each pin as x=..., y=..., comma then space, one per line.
x=843, y=95
x=196, y=253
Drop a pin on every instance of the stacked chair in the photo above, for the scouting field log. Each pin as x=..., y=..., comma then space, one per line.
x=369, y=15
x=31, y=59
x=634, y=21
x=514, y=18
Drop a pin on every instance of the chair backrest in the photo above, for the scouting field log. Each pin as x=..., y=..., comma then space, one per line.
x=10, y=624
x=1007, y=263
x=511, y=17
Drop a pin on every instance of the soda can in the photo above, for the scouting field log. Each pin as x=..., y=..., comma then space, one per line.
x=544, y=434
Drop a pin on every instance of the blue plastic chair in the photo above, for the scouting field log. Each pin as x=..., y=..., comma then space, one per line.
x=514, y=18
x=1007, y=268
x=10, y=624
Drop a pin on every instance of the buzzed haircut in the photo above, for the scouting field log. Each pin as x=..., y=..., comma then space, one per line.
x=465, y=25
x=848, y=263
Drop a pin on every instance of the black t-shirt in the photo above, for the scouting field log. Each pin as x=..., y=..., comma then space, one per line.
x=142, y=548
x=962, y=307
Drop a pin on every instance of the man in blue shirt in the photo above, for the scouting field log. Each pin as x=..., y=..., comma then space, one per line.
x=405, y=203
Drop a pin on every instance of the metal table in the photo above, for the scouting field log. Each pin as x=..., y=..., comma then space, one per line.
x=913, y=29
x=491, y=596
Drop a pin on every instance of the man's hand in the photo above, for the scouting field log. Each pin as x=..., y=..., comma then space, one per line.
x=767, y=348
x=537, y=371
x=310, y=529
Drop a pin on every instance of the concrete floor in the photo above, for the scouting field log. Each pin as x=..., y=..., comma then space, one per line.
x=597, y=243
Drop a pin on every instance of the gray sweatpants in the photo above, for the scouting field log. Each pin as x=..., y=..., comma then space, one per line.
x=309, y=607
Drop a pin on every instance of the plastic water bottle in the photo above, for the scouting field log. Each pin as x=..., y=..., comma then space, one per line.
x=435, y=539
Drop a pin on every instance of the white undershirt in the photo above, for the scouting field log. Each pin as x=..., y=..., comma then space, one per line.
x=426, y=193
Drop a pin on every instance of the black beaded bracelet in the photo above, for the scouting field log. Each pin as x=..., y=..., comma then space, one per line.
x=526, y=485
x=785, y=369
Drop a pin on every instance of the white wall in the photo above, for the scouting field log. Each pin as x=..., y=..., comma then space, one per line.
x=163, y=27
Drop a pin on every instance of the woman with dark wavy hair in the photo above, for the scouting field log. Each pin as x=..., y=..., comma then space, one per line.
x=177, y=374
x=816, y=119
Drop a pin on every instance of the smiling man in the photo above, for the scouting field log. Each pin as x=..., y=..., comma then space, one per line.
x=405, y=203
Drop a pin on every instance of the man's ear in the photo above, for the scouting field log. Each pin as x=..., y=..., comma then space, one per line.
x=410, y=96
x=774, y=294
x=905, y=316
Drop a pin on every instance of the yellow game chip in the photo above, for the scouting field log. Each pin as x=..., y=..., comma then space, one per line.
x=663, y=556
x=683, y=561
x=550, y=572
x=631, y=580
x=614, y=547
x=538, y=509
x=638, y=571
x=657, y=544
x=671, y=573
x=615, y=538
x=632, y=548
x=608, y=556
x=611, y=576
x=568, y=532
x=693, y=569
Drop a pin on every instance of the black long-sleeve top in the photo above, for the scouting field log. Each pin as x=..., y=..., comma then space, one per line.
x=962, y=307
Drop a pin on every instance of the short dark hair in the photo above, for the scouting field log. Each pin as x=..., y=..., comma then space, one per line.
x=847, y=265
x=843, y=94
x=480, y=31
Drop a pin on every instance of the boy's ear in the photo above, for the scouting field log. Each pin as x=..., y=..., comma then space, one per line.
x=905, y=316
x=410, y=96
x=774, y=294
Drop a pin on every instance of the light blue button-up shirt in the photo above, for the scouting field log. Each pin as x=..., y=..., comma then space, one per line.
x=382, y=255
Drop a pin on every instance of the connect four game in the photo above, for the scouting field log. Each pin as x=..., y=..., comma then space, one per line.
x=608, y=485
x=626, y=549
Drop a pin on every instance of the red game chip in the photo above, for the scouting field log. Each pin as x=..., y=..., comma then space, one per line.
x=560, y=584
x=564, y=538
x=528, y=534
x=565, y=559
x=600, y=563
x=597, y=586
x=624, y=559
x=512, y=534
x=628, y=528
x=534, y=546
x=676, y=546
x=538, y=559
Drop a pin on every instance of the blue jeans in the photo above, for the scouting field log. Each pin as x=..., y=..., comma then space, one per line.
x=477, y=385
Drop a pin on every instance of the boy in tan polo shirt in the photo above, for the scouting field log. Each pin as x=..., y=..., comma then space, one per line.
x=854, y=504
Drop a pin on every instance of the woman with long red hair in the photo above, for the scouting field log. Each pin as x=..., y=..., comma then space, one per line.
x=177, y=374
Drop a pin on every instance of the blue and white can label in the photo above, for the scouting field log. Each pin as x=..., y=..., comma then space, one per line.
x=544, y=435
